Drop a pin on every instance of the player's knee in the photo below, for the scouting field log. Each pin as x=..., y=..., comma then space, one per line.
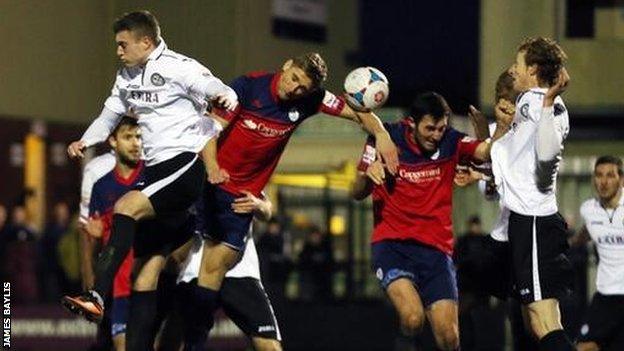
x=544, y=318
x=447, y=337
x=412, y=323
x=145, y=282
x=132, y=205
x=587, y=346
x=263, y=344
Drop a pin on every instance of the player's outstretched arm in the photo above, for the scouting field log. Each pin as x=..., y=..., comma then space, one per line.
x=504, y=112
x=261, y=207
x=201, y=82
x=479, y=123
x=373, y=126
x=549, y=136
x=98, y=131
x=366, y=181
x=216, y=174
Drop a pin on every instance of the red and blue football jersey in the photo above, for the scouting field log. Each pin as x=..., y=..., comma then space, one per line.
x=106, y=191
x=258, y=131
x=416, y=204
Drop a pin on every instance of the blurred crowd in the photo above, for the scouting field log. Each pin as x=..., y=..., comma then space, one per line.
x=42, y=265
x=39, y=264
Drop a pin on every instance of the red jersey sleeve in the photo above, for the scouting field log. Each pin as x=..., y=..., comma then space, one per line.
x=331, y=104
x=369, y=154
x=466, y=146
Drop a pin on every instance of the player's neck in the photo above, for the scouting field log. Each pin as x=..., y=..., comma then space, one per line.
x=125, y=170
x=613, y=202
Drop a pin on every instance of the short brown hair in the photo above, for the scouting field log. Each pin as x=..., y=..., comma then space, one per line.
x=609, y=159
x=142, y=23
x=505, y=88
x=314, y=66
x=547, y=55
x=429, y=103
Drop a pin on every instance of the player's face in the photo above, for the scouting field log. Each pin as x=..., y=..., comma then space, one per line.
x=127, y=144
x=294, y=82
x=523, y=75
x=607, y=181
x=429, y=132
x=132, y=50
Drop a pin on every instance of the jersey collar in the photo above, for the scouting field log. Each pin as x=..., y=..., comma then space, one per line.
x=131, y=178
x=407, y=133
x=273, y=88
x=158, y=51
x=539, y=90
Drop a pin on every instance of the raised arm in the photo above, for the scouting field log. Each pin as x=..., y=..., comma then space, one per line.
x=504, y=112
x=549, y=134
x=374, y=127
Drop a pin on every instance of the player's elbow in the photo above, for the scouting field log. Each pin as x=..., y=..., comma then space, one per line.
x=358, y=194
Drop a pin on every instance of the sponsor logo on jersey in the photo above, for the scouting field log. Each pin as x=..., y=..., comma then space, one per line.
x=525, y=292
x=266, y=130
x=611, y=239
x=157, y=80
x=420, y=176
x=143, y=96
x=596, y=223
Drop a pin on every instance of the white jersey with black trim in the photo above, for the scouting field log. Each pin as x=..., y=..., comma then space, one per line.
x=169, y=96
x=92, y=172
x=247, y=267
x=606, y=228
x=526, y=186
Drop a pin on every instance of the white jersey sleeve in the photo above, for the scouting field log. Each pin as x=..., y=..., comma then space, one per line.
x=101, y=127
x=93, y=171
x=201, y=83
x=115, y=102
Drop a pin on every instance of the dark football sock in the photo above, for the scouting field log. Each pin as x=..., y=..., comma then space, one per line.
x=113, y=254
x=199, y=312
x=140, y=332
x=556, y=341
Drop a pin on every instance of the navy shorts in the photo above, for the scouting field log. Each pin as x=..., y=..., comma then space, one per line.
x=431, y=270
x=119, y=315
x=218, y=222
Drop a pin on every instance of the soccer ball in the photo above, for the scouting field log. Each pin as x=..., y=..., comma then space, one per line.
x=366, y=88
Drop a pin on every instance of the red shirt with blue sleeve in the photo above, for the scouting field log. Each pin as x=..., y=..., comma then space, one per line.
x=259, y=129
x=106, y=191
x=417, y=203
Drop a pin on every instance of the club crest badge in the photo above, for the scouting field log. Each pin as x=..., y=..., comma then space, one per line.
x=293, y=115
x=157, y=80
x=524, y=110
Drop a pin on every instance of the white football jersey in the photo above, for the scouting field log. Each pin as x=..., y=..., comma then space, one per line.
x=168, y=94
x=606, y=228
x=515, y=163
x=93, y=171
x=247, y=267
